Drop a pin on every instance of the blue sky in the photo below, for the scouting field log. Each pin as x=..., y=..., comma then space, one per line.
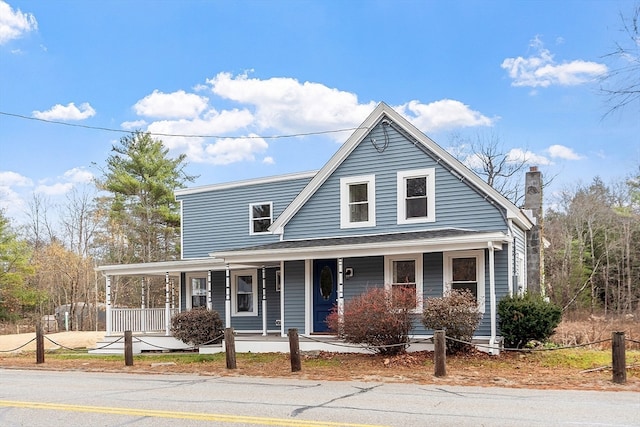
x=524, y=72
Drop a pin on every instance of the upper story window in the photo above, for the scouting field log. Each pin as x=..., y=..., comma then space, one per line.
x=464, y=270
x=244, y=293
x=261, y=217
x=416, y=196
x=358, y=201
x=404, y=272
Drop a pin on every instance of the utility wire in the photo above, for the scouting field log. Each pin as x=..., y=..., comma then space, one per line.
x=293, y=135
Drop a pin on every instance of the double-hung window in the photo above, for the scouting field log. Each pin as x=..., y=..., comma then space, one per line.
x=244, y=293
x=416, y=196
x=358, y=201
x=404, y=272
x=464, y=270
x=260, y=217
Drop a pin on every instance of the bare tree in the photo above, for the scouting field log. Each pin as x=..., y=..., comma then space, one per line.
x=621, y=85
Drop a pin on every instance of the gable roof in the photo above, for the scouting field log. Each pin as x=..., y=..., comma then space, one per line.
x=381, y=112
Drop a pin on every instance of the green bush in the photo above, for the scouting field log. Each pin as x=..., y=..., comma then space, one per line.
x=457, y=314
x=378, y=318
x=197, y=327
x=527, y=317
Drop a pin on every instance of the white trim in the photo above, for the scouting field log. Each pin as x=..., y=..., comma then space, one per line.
x=244, y=183
x=447, y=273
x=282, y=291
x=254, y=292
x=388, y=274
x=181, y=230
x=345, y=217
x=251, y=218
x=188, y=288
x=492, y=299
x=160, y=268
x=430, y=175
x=308, y=296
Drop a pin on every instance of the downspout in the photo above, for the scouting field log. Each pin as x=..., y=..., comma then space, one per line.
x=492, y=298
x=108, y=309
x=167, y=306
x=264, y=301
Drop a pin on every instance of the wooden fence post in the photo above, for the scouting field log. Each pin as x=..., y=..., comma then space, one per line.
x=128, y=348
x=294, y=350
x=440, y=354
x=618, y=359
x=230, y=348
x=39, y=344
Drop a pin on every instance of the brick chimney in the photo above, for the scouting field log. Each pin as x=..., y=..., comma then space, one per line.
x=535, y=255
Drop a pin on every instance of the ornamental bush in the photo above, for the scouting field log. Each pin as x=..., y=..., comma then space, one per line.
x=197, y=327
x=457, y=314
x=378, y=318
x=528, y=317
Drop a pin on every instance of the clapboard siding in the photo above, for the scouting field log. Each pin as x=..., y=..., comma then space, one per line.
x=368, y=272
x=214, y=220
x=457, y=204
x=294, y=293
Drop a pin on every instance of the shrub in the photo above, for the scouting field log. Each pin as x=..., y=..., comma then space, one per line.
x=197, y=327
x=378, y=318
x=457, y=314
x=527, y=317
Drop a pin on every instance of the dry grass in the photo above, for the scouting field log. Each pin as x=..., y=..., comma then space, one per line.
x=593, y=329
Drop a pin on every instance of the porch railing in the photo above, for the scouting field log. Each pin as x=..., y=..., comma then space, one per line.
x=139, y=319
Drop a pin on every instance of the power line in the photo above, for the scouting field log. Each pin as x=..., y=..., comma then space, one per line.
x=293, y=135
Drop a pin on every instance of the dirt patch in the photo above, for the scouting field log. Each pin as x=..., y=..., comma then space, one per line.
x=477, y=369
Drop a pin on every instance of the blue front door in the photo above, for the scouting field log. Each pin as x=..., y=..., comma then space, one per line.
x=325, y=285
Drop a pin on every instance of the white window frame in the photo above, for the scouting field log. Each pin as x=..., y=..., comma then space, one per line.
x=345, y=221
x=430, y=175
x=234, y=292
x=480, y=272
x=189, y=289
x=251, y=218
x=388, y=275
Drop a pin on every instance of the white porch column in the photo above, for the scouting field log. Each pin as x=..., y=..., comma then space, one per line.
x=340, y=289
x=492, y=297
x=227, y=298
x=282, y=331
x=108, y=309
x=167, y=306
x=209, y=291
x=264, y=301
x=142, y=305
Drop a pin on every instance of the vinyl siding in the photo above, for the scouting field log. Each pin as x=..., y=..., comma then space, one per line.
x=216, y=220
x=457, y=204
x=294, y=292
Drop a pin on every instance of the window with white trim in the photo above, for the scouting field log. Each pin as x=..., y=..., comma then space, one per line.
x=465, y=270
x=358, y=201
x=416, y=196
x=244, y=293
x=260, y=217
x=198, y=292
x=404, y=272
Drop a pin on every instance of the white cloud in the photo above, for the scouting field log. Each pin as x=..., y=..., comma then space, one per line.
x=443, y=114
x=562, y=152
x=519, y=155
x=288, y=106
x=230, y=150
x=176, y=105
x=69, y=112
x=268, y=160
x=57, y=189
x=541, y=70
x=78, y=176
x=135, y=124
x=10, y=179
x=14, y=24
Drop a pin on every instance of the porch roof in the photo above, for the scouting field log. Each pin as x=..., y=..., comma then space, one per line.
x=162, y=268
x=446, y=239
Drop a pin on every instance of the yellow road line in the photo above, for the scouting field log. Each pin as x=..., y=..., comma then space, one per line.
x=173, y=414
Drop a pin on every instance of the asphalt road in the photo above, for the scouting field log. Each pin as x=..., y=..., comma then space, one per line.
x=51, y=398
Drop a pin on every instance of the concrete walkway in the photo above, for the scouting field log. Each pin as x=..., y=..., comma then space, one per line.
x=83, y=339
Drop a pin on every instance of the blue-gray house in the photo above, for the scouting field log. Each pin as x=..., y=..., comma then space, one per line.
x=390, y=208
